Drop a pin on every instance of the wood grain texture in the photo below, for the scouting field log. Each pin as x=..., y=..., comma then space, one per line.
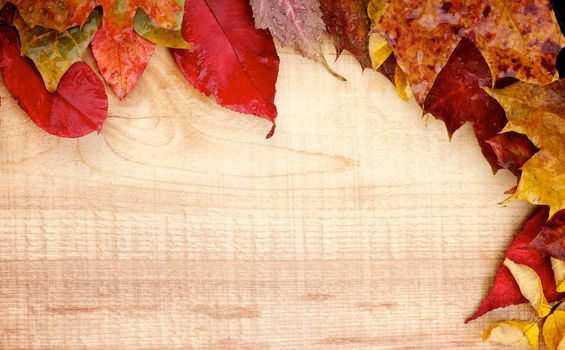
x=358, y=226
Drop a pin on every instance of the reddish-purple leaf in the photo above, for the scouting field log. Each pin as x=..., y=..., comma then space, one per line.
x=457, y=98
x=551, y=240
x=512, y=150
x=505, y=291
x=77, y=108
x=230, y=59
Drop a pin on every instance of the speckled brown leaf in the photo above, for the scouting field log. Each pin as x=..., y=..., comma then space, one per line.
x=518, y=38
x=348, y=24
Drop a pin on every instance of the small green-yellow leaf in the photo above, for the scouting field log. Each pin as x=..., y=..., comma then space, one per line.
x=522, y=333
x=554, y=330
x=172, y=38
x=558, y=267
x=401, y=83
x=55, y=52
x=530, y=286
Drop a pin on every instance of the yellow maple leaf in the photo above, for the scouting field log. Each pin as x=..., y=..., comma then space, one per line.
x=523, y=333
x=530, y=286
x=554, y=330
x=539, y=113
x=558, y=267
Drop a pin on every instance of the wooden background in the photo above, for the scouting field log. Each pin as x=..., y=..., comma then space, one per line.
x=358, y=226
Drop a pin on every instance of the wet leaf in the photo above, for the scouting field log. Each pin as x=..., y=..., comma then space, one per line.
x=423, y=34
x=230, y=58
x=539, y=113
x=522, y=333
x=78, y=107
x=55, y=52
x=121, y=54
x=348, y=24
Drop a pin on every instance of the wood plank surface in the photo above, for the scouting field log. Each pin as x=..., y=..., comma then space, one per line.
x=358, y=226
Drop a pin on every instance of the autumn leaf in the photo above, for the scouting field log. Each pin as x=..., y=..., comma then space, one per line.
x=295, y=23
x=230, y=58
x=78, y=107
x=55, y=14
x=530, y=286
x=554, y=330
x=512, y=150
x=517, y=38
x=379, y=49
x=457, y=98
x=558, y=267
x=55, y=52
x=539, y=113
x=121, y=54
x=348, y=24
x=506, y=291
x=551, y=239
x=523, y=333
x=166, y=37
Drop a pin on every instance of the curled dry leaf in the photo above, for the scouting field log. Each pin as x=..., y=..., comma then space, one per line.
x=227, y=48
x=522, y=333
x=54, y=52
x=505, y=291
x=423, y=34
x=539, y=113
x=554, y=330
x=530, y=286
x=78, y=107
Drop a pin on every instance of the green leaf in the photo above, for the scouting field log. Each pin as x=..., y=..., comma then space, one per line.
x=55, y=52
x=172, y=38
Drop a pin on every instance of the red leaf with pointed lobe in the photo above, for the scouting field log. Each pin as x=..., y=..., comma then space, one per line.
x=551, y=240
x=77, y=108
x=505, y=291
x=512, y=150
x=230, y=58
x=457, y=98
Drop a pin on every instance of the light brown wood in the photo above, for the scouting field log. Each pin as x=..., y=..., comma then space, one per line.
x=358, y=226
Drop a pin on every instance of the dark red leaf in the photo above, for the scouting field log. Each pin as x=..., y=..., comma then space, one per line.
x=348, y=24
x=388, y=68
x=457, y=98
x=230, y=59
x=77, y=108
x=512, y=150
x=551, y=240
x=505, y=291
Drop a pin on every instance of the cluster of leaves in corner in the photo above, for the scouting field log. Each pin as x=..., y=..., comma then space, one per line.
x=223, y=48
x=491, y=63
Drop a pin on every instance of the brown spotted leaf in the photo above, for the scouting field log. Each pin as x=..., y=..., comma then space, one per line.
x=518, y=38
